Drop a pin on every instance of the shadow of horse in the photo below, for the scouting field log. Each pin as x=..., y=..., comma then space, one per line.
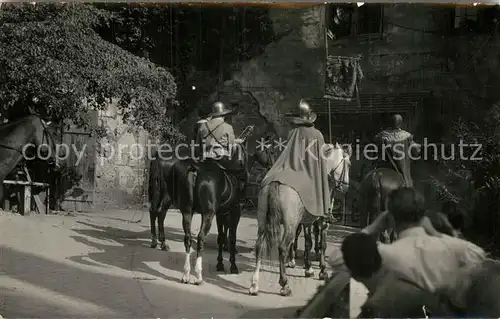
x=135, y=260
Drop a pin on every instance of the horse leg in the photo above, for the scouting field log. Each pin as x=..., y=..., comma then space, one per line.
x=221, y=240
x=187, y=217
x=322, y=228
x=161, y=227
x=317, y=243
x=234, y=220
x=283, y=249
x=293, y=248
x=309, y=272
x=152, y=219
x=206, y=224
x=262, y=207
x=226, y=237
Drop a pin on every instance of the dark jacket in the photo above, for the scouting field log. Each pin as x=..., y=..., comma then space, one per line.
x=397, y=297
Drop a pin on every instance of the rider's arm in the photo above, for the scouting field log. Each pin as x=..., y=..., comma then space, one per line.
x=429, y=227
x=378, y=225
x=230, y=135
x=335, y=258
x=468, y=253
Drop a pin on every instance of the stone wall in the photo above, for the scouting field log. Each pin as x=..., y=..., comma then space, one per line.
x=406, y=57
x=289, y=69
x=121, y=169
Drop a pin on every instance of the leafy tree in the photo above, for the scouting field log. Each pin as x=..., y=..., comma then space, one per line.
x=475, y=119
x=53, y=61
x=199, y=44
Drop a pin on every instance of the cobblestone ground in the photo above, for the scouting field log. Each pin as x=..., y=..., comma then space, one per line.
x=99, y=264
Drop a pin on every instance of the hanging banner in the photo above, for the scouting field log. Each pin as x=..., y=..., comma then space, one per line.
x=342, y=77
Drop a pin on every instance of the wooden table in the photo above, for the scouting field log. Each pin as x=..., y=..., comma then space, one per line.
x=26, y=196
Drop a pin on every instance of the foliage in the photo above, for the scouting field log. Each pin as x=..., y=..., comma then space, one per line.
x=52, y=59
x=473, y=186
x=199, y=44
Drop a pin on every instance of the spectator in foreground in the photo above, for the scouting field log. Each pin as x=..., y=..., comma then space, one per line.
x=391, y=295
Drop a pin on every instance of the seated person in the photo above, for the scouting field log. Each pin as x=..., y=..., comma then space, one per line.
x=427, y=260
x=474, y=291
x=390, y=294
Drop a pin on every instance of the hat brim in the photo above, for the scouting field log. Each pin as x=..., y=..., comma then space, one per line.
x=226, y=112
x=298, y=120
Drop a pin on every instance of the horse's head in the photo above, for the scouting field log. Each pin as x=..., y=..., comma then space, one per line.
x=338, y=161
x=265, y=153
x=43, y=141
x=265, y=156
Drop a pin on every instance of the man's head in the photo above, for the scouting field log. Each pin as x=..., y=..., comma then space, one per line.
x=406, y=205
x=396, y=121
x=361, y=256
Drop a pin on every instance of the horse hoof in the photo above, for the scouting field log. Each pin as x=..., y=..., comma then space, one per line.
x=198, y=282
x=220, y=267
x=254, y=290
x=291, y=264
x=185, y=279
x=285, y=291
x=154, y=245
x=309, y=273
x=234, y=270
x=164, y=247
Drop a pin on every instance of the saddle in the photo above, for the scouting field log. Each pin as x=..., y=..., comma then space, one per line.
x=234, y=175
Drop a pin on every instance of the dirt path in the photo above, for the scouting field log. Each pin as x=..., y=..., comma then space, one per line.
x=100, y=265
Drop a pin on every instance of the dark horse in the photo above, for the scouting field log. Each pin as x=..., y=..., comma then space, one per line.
x=266, y=157
x=373, y=194
x=24, y=138
x=211, y=190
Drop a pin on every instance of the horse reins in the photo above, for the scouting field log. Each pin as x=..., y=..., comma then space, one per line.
x=337, y=184
x=45, y=137
x=340, y=182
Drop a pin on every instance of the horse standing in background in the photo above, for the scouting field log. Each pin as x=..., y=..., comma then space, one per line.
x=22, y=138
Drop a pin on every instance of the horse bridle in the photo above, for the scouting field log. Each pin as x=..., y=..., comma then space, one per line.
x=338, y=184
x=46, y=136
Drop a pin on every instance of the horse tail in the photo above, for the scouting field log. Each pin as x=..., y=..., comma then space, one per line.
x=154, y=184
x=269, y=225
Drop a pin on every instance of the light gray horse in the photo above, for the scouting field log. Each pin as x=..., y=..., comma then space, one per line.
x=279, y=204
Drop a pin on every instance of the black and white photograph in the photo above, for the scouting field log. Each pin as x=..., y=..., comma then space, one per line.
x=249, y=160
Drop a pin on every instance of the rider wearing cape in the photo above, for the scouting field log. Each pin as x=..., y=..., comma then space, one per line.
x=301, y=165
x=396, y=146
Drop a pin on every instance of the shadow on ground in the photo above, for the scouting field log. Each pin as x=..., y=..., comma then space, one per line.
x=136, y=251
x=122, y=295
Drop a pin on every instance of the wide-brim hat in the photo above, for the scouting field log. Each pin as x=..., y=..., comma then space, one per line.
x=219, y=109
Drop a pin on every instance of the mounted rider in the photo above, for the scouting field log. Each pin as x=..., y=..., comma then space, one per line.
x=216, y=136
x=216, y=140
x=396, y=147
x=301, y=164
